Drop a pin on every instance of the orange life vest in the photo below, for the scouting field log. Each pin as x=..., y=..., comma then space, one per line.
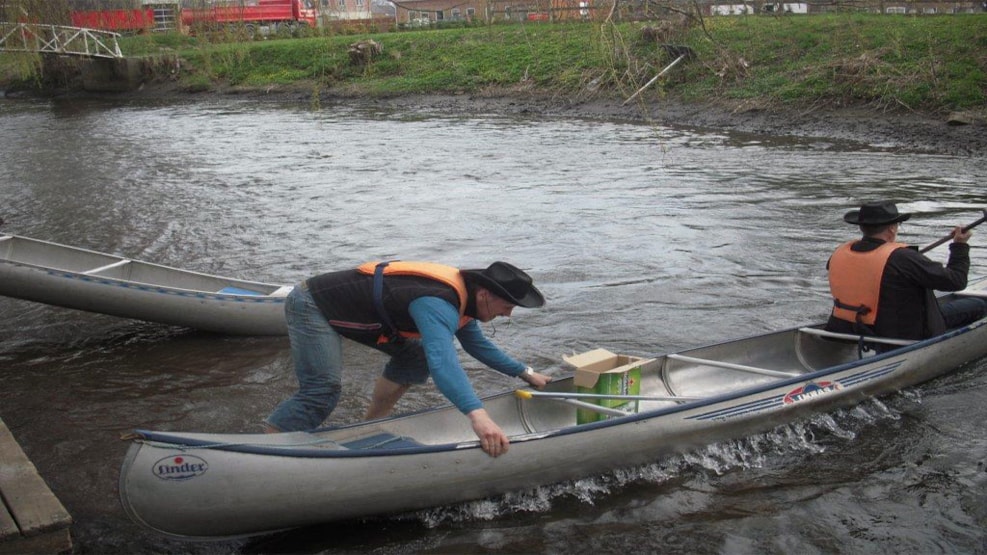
x=855, y=281
x=430, y=270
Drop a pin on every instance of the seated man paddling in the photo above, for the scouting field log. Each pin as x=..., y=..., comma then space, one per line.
x=410, y=311
x=887, y=289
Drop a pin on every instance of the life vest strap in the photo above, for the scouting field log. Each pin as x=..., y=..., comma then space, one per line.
x=860, y=310
x=393, y=335
x=858, y=326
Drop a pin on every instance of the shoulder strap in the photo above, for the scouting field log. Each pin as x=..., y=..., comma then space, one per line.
x=393, y=334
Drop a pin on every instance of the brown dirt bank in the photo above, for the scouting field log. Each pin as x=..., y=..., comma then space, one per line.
x=898, y=131
x=908, y=132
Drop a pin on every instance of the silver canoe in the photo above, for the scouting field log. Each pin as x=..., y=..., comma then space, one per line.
x=82, y=279
x=210, y=486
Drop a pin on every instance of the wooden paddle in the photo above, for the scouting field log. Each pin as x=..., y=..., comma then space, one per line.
x=950, y=236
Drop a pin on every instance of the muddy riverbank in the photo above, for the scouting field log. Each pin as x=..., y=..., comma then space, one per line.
x=960, y=134
x=899, y=131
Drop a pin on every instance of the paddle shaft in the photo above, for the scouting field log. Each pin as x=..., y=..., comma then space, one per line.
x=950, y=236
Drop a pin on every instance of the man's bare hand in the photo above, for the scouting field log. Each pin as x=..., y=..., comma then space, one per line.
x=960, y=236
x=493, y=440
x=536, y=380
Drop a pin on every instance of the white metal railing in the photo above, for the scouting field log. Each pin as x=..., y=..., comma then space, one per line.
x=58, y=39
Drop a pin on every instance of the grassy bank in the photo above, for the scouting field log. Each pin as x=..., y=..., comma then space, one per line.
x=928, y=63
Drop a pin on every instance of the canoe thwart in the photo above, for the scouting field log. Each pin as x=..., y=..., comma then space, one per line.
x=116, y=264
x=851, y=337
x=527, y=394
x=732, y=366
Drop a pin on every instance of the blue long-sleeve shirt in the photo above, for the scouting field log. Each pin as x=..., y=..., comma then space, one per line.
x=437, y=322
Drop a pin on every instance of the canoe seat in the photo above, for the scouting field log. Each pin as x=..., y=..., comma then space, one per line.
x=382, y=440
x=282, y=291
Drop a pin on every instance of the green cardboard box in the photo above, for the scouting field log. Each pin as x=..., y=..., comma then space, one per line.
x=602, y=372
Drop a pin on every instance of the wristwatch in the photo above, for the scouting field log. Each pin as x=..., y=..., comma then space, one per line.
x=528, y=372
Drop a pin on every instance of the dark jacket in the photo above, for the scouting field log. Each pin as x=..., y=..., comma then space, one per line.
x=907, y=308
x=345, y=298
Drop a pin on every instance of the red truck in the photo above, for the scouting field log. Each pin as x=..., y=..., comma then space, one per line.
x=251, y=15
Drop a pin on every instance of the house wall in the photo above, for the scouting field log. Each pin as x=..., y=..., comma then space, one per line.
x=426, y=12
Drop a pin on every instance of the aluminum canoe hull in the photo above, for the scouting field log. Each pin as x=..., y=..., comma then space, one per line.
x=82, y=279
x=212, y=486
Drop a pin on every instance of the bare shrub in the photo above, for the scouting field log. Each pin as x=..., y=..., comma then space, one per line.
x=365, y=51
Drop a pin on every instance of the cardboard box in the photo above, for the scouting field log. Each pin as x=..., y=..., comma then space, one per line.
x=602, y=372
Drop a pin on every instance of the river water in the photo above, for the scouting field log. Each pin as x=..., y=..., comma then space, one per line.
x=644, y=239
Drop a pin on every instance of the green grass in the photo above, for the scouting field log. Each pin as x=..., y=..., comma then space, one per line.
x=931, y=63
x=928, y=62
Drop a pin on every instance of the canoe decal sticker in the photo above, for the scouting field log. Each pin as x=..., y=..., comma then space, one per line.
x=809, y=390
x=180, y=467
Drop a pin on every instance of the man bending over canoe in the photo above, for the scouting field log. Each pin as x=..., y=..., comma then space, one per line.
x=410, y=311
x=884, y=288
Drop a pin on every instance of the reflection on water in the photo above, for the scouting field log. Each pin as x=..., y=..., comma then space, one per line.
x=644, y=240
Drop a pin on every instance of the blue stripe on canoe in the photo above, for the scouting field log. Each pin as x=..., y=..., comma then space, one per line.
x=238, y=291
x=382, y=441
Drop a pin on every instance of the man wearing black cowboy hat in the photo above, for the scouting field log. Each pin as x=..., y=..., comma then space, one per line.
x=884, y=288
x=410, y=311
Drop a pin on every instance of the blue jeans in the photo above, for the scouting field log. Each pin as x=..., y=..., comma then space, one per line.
x=963, y=311
x=317, y=352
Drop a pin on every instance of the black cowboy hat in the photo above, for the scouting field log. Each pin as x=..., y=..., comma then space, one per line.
x=876, y=213
x=507, y=282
